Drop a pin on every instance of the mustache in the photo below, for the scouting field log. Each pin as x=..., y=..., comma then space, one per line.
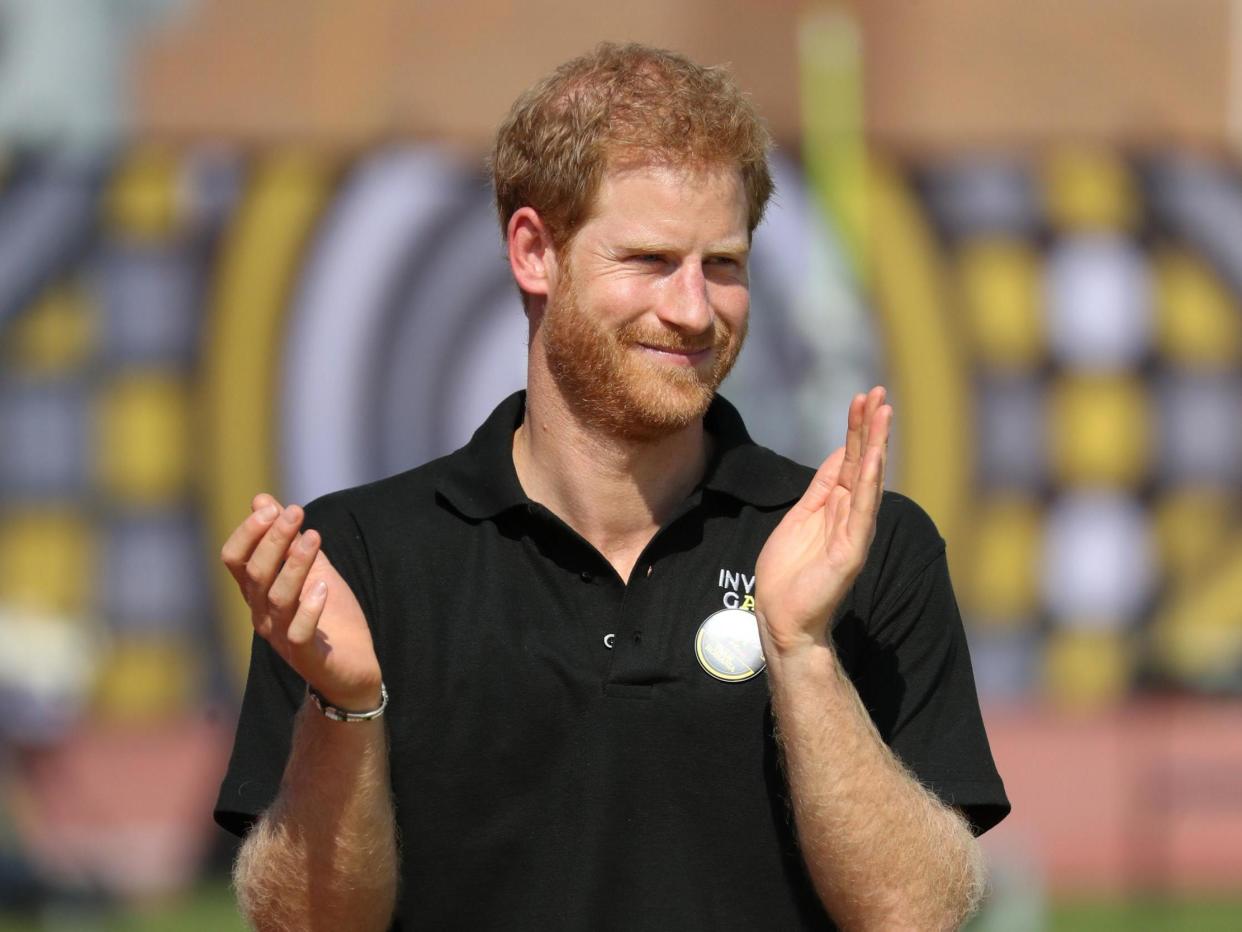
x=672, y=342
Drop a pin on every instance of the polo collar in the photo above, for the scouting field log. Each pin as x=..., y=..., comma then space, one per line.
x=480, y=480
x=744, y=470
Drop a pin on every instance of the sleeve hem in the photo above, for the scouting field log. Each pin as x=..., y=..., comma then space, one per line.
x=983, y=810
x=234, y=821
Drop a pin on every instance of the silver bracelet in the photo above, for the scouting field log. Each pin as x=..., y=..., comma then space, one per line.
x=340, y=715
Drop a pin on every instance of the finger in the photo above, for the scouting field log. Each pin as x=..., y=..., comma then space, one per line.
x=263, y=500
x=871, y=403
x=823, y=482
x=305, y=622
x=853, y=441
x=865, y=503
x=269, y=554
x=878, y=432
x=286, y=590
x=880, y=426
x=241, y=543
x=875, y=398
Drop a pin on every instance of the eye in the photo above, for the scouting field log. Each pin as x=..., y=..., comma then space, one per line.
x=648, y=258
x=725, y=265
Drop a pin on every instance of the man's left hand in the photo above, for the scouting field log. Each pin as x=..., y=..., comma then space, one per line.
x=814, y=555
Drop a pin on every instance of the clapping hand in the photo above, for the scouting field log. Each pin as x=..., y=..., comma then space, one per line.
x=814, y=555
x=301, y=606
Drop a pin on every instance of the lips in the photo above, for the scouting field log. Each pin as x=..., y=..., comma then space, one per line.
x=678, y=353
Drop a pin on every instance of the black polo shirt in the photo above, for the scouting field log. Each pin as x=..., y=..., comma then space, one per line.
x=545, y=780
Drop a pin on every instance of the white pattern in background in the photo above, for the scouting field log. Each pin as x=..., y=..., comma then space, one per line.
x=335, y=323
x=1098, y=560
x=1099, y=302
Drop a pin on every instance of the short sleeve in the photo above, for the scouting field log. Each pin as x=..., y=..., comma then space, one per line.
x=274, y=691
x=264, y=736
x=916, y=680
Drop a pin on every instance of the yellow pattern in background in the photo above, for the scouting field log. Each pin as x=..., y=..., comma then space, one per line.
x=1099, y=430
x=1001, y=585
x=56, y=335
x=1198, y=324
x=1087, y=667
x=1089, y=189
x=1000, y=288
x=1192, y=527
x=242, y=352
x=146, y=680
x=830, y=62
x=143, y=201
x=1197, y=633
x=927, y=360
x=144, y=437
x=47, y=561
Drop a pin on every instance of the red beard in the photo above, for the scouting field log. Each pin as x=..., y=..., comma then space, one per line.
x=606, y=380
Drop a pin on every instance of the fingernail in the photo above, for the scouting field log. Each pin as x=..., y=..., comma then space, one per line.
x=289, y=516
x=319, y=590
x=268, y=512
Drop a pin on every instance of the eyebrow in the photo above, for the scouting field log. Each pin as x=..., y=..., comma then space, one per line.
x=735, y=250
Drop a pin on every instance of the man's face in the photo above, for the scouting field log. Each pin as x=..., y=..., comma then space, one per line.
x=650, y=304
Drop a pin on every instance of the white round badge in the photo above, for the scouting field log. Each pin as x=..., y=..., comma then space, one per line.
x=728, y=647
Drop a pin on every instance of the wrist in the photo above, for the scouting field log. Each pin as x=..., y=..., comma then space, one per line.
x=785, y=638
x=808, y=660
x=798, y=657
x=356, y=707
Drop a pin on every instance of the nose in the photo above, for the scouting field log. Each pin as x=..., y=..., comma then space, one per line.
x=688, y=308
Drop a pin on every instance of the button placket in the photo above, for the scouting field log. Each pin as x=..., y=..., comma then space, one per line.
x=593, y=600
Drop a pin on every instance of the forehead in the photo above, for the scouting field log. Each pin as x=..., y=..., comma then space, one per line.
x=657, y=203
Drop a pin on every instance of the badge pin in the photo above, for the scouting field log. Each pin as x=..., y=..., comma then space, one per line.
x=728, y=647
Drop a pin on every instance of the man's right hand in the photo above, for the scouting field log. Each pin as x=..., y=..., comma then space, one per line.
x=301, y=606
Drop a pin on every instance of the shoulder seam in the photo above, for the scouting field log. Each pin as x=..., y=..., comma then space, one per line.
x=366, y=552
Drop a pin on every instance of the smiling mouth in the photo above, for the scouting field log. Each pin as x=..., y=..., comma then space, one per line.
x=683, y=356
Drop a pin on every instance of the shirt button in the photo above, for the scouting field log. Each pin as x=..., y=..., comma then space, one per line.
x=585, y=576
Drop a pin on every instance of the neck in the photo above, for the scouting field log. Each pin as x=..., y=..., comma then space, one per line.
x=614, y=491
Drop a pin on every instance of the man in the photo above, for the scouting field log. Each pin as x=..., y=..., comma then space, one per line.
x=522, y=687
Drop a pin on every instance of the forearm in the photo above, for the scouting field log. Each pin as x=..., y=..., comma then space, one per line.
x=881, y=850
x=324, y=855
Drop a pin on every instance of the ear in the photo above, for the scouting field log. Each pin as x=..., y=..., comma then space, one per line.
x=532, y=258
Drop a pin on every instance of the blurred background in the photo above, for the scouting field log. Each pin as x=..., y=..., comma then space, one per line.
x=250, y=246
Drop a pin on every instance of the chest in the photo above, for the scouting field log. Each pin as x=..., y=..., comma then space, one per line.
x=511, y=611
